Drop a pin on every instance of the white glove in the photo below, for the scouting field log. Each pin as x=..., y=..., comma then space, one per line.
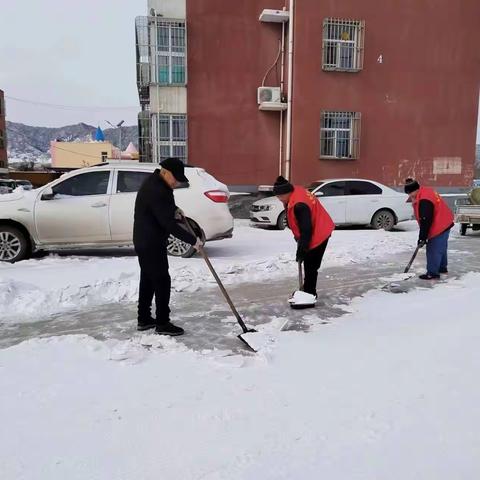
x=198, y=245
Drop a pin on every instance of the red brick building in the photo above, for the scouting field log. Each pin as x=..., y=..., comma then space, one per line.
x=3, y=137
x=376, y=89
x=380, y=90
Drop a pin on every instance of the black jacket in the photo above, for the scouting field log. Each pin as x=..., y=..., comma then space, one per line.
x=425, y=212
x=154, y=217
x=303, y=215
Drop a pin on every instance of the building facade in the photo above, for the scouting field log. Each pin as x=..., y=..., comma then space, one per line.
x=71, y=155
x=161, y=80
x=3, y=137
x=379, y=90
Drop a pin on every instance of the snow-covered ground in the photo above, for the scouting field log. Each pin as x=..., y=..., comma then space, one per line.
x=389, y=391
x=40, y=287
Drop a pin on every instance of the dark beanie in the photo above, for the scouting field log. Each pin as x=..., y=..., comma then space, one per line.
x=411, y=185
x=282, y=186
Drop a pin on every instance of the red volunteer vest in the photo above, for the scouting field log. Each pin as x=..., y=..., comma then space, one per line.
x=322, y=224
x=442, y=215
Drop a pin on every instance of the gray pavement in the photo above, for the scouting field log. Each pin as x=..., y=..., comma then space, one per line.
x=209, y=323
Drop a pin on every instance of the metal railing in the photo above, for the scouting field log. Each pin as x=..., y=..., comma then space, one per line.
x=161, y=51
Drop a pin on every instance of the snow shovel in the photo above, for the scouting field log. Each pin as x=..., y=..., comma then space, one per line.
x=407, y=268
x=394, y=286
x=301, y=299
x=245, y=329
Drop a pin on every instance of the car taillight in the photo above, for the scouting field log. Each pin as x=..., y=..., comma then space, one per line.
x=217, y=196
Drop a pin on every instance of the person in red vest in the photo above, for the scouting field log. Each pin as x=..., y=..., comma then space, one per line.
x=311, y=226
x=435, y=220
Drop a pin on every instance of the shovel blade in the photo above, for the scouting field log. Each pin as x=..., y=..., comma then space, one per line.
x=255, y=341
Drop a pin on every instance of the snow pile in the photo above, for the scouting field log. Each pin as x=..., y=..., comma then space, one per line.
x=54, y=284
x=389, y=391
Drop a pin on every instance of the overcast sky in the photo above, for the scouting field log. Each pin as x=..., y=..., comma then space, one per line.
x=74, y=53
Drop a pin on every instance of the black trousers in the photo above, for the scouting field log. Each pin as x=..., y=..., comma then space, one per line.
x=154, y=281
x=311, y=264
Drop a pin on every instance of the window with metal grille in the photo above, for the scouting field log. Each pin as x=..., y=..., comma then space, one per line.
x=170, y=54
x=169, y=137
x=343, y=44
x=144, y=26
x=144, y=141
x=340, y=135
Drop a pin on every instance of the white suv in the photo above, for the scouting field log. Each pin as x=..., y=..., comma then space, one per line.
x=93, y=207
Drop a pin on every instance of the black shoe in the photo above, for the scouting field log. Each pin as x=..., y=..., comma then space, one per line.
x=168, y=328
x=443, y=270
x=429, y=276
x=146, y=324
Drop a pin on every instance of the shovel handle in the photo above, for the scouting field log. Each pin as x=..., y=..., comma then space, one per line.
x=224, y=291
x=407, y=268
x=203, y=253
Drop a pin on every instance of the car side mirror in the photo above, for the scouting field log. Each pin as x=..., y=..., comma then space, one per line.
x=319, y=194
x=47, y=194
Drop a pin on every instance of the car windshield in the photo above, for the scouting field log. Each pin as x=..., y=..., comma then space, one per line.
x=313, y=186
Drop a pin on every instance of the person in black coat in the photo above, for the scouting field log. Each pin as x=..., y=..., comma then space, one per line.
x=154, y=221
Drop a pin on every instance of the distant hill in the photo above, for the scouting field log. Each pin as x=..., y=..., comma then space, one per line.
x=31, y=144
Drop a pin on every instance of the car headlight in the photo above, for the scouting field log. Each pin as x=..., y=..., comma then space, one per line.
x=264, y=208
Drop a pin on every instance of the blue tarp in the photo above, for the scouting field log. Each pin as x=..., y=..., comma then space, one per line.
x=99, y=136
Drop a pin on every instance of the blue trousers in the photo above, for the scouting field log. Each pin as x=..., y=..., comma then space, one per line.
x=437, y=253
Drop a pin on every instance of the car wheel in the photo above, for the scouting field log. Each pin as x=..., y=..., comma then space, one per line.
x=383, y=219
x=177, y=248
x=463, y=228
x=282, y=221
x=13, y=244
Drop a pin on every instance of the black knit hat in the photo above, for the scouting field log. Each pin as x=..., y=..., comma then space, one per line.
x=411, y=185
x=282, y=186
x=176, y=168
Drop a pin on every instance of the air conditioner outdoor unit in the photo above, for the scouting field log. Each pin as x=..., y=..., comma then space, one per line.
x=268, y=94
x=270, y=98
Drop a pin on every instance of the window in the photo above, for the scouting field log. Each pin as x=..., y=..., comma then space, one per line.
x=362, y=188
x=170, y=56
x=144, y=141
x=169, y=136
x=26, y=184
x=314, y=185
x=131, y=181
x=333, y=189
x=7, y=183
x=2, y=139
x=343, y=45
x=340, y=135
x=91, y=183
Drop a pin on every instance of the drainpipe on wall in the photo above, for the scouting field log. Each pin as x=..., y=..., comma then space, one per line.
x=282, y=86
x=288, y=152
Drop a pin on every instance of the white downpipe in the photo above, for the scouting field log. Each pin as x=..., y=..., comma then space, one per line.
x=282, y=86
x=288, y=149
